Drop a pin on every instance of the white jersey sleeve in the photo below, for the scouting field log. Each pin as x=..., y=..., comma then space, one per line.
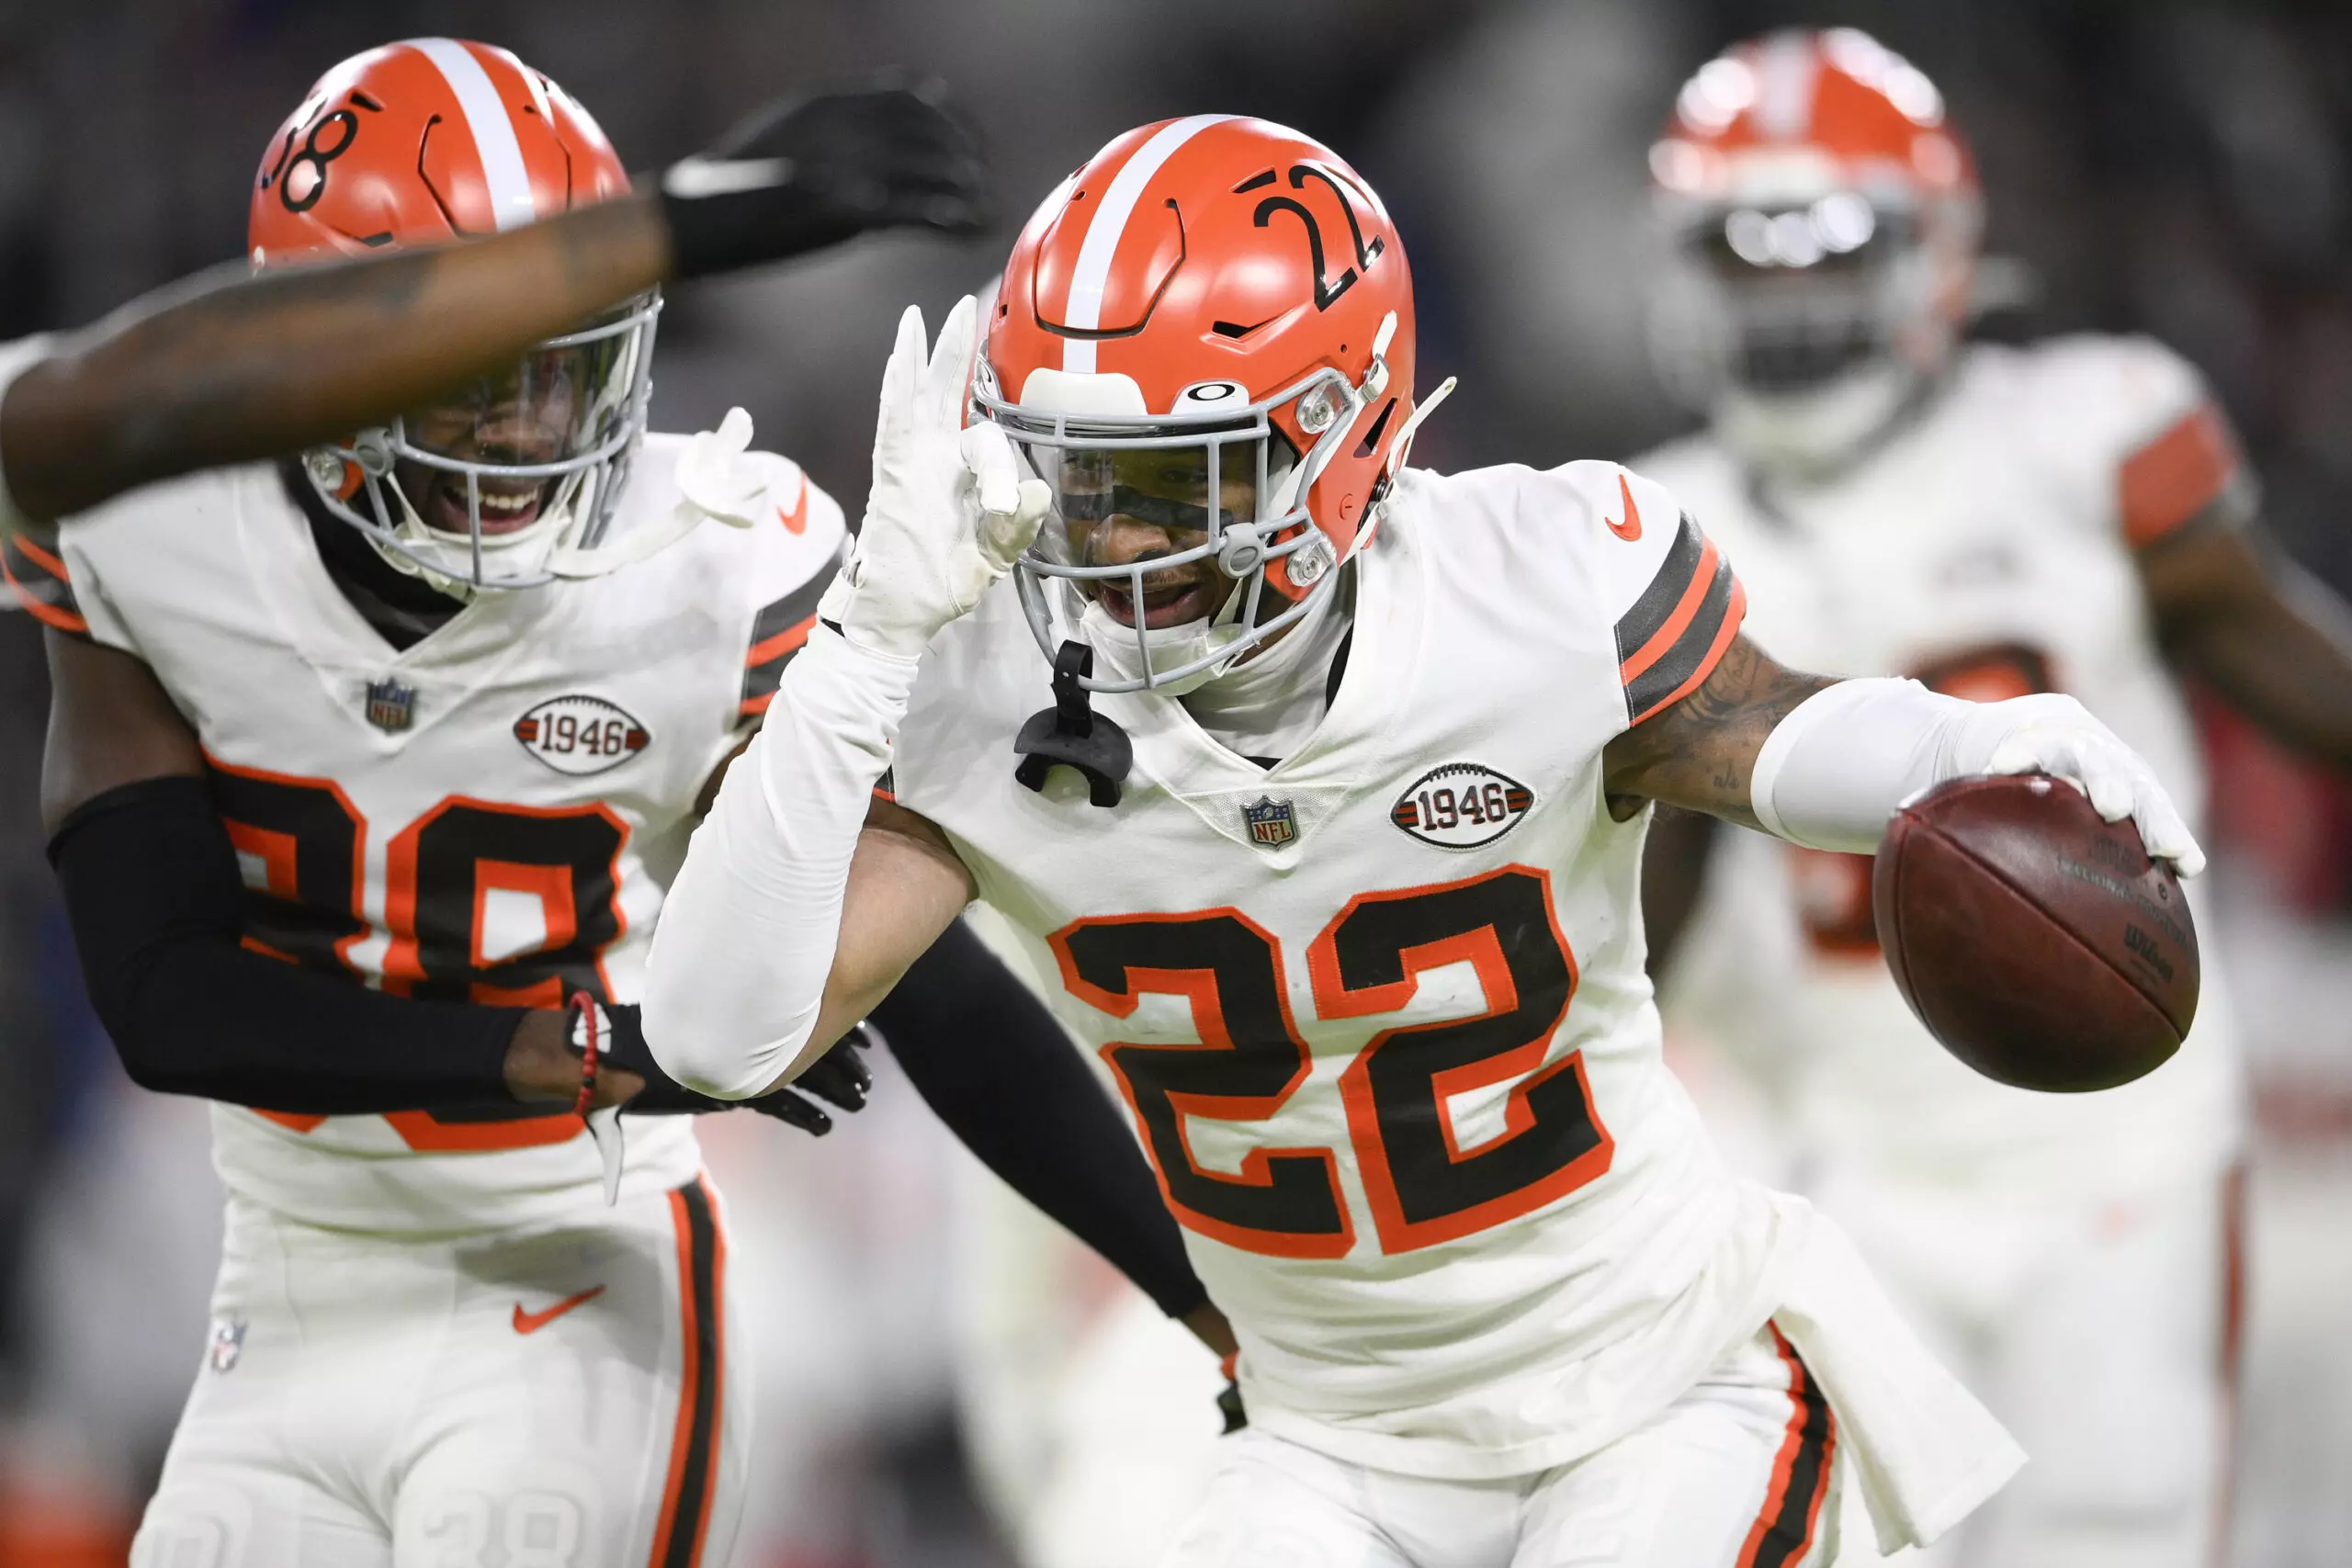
x=783, y=581
x=2127, y=430
x=1655, y=577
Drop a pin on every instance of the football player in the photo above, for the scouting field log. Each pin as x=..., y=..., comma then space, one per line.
x=1331, y=830
x=237, y=365
x=2070, y=516
x=367, y=770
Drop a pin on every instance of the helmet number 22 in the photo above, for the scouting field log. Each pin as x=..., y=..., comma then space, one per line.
x=1325, y=291
x=1423, y=1181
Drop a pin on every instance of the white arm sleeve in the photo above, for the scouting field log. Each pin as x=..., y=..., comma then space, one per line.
x=1832, y=773
x=747, y=933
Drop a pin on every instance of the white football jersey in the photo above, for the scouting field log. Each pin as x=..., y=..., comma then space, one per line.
x=1380, y=1012
x=491, y=815
x=1986, y=549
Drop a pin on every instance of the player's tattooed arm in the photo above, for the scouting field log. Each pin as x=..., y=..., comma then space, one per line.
x=1699, y=751
x=2230, y=606
x=230, y=367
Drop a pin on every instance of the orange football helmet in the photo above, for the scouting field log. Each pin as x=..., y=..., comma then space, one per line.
x=512, y=484
x=1823, y=219
x=1206, y=331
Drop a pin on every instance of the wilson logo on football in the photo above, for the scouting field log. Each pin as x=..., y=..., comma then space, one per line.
x=580, y=735
x=1461, y=806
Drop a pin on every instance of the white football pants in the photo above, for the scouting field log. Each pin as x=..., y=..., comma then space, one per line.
x=1733, y=1474
x=2112, y=1360
x=561, y=1397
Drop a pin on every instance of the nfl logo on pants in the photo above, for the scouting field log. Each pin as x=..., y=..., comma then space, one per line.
x=1271, y=823
x=390, y=705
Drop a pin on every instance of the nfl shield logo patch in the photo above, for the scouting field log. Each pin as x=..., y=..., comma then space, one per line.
x=228, y=1343
x=1271, y=823
x=391, y=707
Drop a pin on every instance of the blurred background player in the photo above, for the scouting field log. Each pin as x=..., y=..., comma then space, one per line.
x=2071, y=515
x=431, y=1333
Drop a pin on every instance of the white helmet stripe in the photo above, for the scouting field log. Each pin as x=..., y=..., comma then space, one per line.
x=502, y=156
x=1787, y=68
x=1109, y=225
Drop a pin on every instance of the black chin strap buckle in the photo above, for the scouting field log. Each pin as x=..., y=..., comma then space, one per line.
x=1070, y=734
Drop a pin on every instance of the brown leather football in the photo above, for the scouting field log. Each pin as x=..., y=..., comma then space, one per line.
x=2039, y=944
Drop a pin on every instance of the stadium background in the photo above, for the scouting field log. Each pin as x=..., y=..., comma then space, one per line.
x=2182, y=170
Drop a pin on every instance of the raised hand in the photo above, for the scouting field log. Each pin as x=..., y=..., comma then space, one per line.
x=811, y=171
x=948, y=509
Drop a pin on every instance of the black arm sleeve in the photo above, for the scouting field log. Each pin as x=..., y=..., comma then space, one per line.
x=153, y=891
x=986, y=1055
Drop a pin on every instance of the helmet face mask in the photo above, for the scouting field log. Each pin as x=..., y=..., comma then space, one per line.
x=1819, y=222
x=511, y=484
x=1801, y=296
x=1174, y=584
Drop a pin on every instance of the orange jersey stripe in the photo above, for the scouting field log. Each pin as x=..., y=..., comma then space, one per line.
x=43, y=559
x=2177, y=476
x=789, y=640
x=1733, y=614
x=48, y=615
x=1650, y=652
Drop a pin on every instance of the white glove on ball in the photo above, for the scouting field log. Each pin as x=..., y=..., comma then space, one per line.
x=2054, y=733
x=948, y=510
x=1832, y=773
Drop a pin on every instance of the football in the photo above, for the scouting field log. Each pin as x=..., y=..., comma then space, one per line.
x=2040, y=944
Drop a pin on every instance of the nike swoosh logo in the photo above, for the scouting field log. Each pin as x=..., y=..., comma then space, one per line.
x=532, y=1321
x=692, y=178
x=1631, y=529
x=797, y=519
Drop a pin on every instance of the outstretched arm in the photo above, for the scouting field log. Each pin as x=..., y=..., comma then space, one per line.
x=1825, y=763
x=804, y=895
x=230, y=368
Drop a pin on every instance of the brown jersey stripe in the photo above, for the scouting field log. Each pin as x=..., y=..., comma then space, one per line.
x=1638, y=625
x=694, y=1444
x=1784, y=1529
x=1699, y=643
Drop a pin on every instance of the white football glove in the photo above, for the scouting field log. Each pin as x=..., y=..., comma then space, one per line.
x=948, y=510
x=2054, y=733
x=718, y=477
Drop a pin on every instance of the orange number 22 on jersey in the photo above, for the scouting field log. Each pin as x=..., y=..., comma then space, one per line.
x=1423, y=1186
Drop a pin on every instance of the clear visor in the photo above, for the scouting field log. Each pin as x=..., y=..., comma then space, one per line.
x=1141, y=527
x=1162, y=569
